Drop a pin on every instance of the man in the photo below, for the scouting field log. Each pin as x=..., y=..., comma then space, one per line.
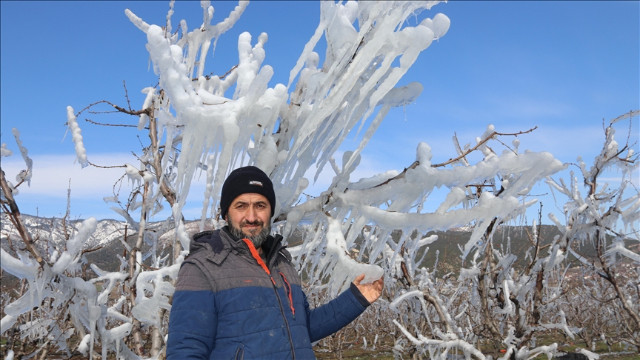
x=238, y=295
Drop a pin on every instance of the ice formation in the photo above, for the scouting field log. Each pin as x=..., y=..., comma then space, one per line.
x=208, y=125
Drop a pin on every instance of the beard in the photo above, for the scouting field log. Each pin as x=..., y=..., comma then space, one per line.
x=257, y=238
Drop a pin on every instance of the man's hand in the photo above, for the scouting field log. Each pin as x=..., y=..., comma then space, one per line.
x=371, y=291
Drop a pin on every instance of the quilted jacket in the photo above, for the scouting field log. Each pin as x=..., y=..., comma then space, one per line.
x=230, y=304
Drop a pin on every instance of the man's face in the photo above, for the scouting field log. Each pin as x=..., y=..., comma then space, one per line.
x=249, y=216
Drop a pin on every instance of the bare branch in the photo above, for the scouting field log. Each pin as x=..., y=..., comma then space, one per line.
x=16, y=218
x=462, y=156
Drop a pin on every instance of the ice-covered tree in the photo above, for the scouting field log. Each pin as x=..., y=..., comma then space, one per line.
x=207, y=124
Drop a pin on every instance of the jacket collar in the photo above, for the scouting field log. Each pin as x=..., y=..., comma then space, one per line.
x=221, y=242
x=271, y=246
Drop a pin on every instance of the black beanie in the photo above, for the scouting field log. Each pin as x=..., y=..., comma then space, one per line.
x=248, y=179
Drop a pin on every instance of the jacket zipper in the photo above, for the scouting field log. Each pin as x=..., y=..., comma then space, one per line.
x=264, y=267
x=289, y=293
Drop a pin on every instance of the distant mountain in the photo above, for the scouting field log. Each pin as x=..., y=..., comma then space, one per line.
x=57, y=231
x=516, y=240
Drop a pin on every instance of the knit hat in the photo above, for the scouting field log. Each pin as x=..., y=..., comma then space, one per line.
x=248, y=179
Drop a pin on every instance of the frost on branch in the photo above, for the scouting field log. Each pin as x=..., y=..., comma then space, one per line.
x=76, y=134
x=285, y=130
x=605, y=218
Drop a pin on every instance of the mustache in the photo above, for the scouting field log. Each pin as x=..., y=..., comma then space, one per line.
x=252, y=223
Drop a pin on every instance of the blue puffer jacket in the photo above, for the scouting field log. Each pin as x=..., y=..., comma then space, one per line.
x=229, y=304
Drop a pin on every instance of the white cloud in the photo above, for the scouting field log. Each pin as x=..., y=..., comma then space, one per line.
x=54, y=174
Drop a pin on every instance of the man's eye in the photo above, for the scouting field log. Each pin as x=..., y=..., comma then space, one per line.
x=261, y=206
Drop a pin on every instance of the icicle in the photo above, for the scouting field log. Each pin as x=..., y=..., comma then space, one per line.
x=76, y=134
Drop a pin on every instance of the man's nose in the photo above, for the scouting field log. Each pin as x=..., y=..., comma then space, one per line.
x=251, y=214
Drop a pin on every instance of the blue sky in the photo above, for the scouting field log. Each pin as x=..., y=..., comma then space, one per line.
x=560, y=66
